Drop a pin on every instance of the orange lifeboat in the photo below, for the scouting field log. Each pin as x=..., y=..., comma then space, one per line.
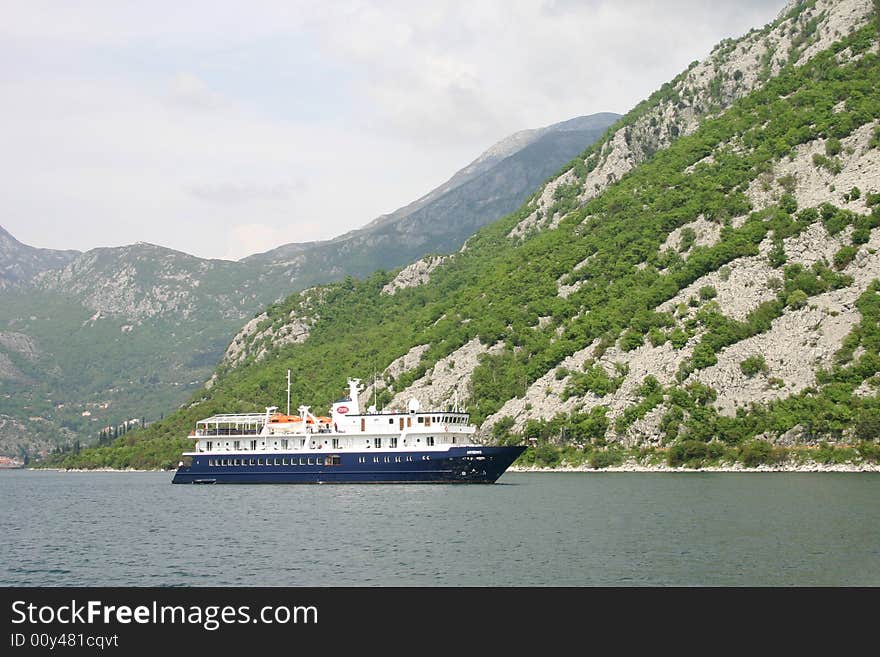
x=281, y=417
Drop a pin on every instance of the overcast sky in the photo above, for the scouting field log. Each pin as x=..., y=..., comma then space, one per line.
x=228, y=128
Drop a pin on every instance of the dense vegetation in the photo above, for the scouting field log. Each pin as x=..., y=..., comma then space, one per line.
x=498, y=288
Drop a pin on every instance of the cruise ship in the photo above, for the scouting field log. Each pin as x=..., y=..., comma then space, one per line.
x=349, y=446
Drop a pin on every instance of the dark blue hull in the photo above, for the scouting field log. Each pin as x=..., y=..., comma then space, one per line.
x=464, y=465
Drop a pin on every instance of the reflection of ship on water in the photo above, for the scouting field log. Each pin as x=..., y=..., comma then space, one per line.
x=7, y=463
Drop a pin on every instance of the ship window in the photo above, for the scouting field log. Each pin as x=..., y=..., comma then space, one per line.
x=277, y=462
x=334, y=460
x=302, y=461
x=284, y=444
x=210, y=462
x=319, y=461
x=429, y=441
x=361, y=459
x=253, y=461
x=283, y=461
x=391, y=420
x=397, y=459
x=236, y=444
x=420, y=420
x=392, y=442
x=236, y=462
x=387, y=459
x=311, y=462
x=253, y=446
x=453, y=440
x=259, y=461
x=336, y=443
x=377, y=442
x=375, y=459
x=210, y=445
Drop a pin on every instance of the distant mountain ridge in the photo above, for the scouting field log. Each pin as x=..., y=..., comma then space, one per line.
x=492, y=185
x=20, y=262
x=586, y=125
x=119, y=333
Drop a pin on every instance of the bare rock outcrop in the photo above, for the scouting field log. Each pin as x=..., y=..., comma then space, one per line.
x=410, y=360
x=799, y=343
x=813, y=176
x=418, y=273
x=19, y=343
x=450, y=376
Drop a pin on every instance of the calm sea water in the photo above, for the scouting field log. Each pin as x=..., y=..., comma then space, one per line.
x=578, y=529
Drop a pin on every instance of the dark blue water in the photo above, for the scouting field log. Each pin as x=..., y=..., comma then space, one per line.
x=579, y=529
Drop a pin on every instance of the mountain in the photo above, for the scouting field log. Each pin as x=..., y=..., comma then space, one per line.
x=568, y=134
x=702, y=285
x=117, y=334
x=491, y=186
x=122, y=335
x=19, y=262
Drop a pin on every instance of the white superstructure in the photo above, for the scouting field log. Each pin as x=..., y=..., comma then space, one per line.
x=347, y=429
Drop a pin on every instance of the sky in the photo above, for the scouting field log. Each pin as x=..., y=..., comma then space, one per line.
x=223, y=129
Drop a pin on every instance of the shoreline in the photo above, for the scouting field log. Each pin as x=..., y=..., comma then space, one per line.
x=92, y=470
x=632, y=466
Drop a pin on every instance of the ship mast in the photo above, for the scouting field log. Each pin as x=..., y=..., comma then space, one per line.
x=288, y=392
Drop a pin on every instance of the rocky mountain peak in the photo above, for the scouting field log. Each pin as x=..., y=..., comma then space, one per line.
x=19, y=263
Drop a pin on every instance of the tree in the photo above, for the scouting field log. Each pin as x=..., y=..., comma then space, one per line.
x=868, y=425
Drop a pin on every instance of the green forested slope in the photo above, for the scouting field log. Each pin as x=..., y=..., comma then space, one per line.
x=498, y=288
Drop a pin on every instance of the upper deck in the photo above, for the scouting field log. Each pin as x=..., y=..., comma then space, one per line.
x=252, y=424
x=346, y=428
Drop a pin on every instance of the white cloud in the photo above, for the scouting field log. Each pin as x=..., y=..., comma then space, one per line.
x=190, y=91
x=216, y=128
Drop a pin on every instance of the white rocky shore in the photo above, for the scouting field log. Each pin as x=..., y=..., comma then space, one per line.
x=789, y=466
